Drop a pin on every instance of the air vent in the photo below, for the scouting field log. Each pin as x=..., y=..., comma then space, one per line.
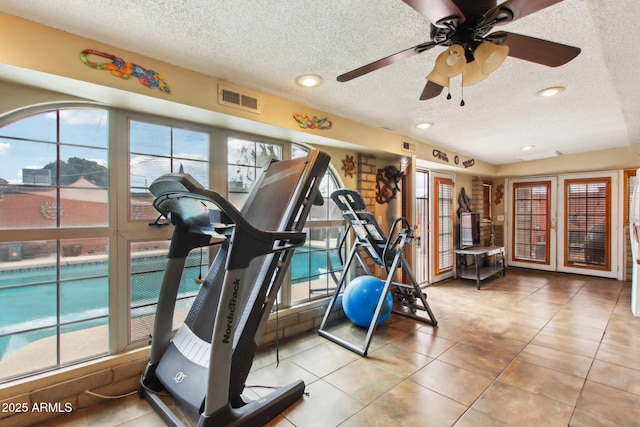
x=407, y=146
x=235, y=99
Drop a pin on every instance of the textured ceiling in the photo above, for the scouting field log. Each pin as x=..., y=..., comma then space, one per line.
x=265, y=44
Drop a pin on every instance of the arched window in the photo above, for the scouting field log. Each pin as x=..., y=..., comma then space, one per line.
x=54, y=217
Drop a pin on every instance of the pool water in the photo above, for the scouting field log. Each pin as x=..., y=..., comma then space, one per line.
x=30, y=313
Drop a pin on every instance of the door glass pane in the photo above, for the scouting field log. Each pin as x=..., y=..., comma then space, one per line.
x=422, y=218
x=444, y=227
x=531, y=222
x=587, y=219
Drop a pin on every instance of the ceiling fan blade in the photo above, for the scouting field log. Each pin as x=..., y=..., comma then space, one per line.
x=438, y=12
x=396, y=57
x=531, y=49
x=431, y=90
x=511, y=10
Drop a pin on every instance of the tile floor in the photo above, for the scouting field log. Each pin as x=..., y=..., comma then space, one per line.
x=529, y=349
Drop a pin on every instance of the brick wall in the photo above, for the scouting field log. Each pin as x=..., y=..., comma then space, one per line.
x=366, y=182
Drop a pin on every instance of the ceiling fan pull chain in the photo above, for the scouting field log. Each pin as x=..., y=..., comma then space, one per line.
x=462, y=96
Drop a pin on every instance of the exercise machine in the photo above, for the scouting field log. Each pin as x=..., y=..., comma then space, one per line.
x=386, y=252
x=205, y=365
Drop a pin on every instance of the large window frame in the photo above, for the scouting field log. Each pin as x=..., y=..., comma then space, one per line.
x=57, y=246
x=125, y=235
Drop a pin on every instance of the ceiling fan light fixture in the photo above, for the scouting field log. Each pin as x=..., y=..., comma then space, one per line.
x=438, y=78
x=472, y=74
x=490, y=56
x=551, y=91
x=308, y=80
x=451, y=62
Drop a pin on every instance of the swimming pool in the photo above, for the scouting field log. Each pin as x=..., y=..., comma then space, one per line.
x=35, y=301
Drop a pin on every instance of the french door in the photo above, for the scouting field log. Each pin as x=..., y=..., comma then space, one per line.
x=565, y=223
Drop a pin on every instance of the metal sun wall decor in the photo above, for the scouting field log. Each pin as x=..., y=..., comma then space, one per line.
x=387, y=180
x=306, y=122
x=125, y=70
x=348, y=166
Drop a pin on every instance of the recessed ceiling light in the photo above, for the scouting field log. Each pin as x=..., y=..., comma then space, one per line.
x=309, y=80
x=527, y=147
x=425, y=125
x=551, y=91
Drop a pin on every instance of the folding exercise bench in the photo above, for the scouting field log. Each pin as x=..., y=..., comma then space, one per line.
x=205, y=366
x=387, y=252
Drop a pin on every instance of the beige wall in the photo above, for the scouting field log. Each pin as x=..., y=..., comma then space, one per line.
x=43, y=57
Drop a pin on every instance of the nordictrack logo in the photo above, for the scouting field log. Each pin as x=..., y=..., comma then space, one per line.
x=232, y=312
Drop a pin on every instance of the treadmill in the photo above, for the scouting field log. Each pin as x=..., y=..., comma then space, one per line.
x=204, y=366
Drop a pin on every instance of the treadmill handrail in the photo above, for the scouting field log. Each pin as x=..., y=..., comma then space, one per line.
x=264, y=241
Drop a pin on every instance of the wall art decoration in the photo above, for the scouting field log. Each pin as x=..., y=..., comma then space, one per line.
x=441, y=155
x=125, y=70
x=306, y=122
x=468, y=163
x=464, y=202
x=348, y=166
x=499, y=194
x=387, y=180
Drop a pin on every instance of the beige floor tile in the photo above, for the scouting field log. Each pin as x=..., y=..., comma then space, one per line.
x=558, y=360
x=586, y=419
x=474, y=359
x=369, y=417
x=451, y=381
x=424, y=343
x=546, y=382
x=363, y=380
x=325, y=406
x=616, y=376
x=515, y=406
x=566, y=343
x=473, y=418
x=610, y=403
x=515, y=353
x=410, y=404
x=324, y=358
x=619, y=355
x=397, y=360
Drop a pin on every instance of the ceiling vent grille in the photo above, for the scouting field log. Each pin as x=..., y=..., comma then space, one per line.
x=407, y=146
x=233, y=98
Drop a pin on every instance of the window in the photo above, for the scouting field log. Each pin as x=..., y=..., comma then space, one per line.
x=54, y=280
x=245, y=160
x=155, y=150
x=74, y=231
x=487, y=200
x=313, y=266
x=316, y=266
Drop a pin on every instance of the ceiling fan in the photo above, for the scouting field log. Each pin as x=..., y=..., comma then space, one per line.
x=464, y=26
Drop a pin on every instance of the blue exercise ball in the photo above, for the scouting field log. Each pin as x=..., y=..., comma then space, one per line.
x=361, y=298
